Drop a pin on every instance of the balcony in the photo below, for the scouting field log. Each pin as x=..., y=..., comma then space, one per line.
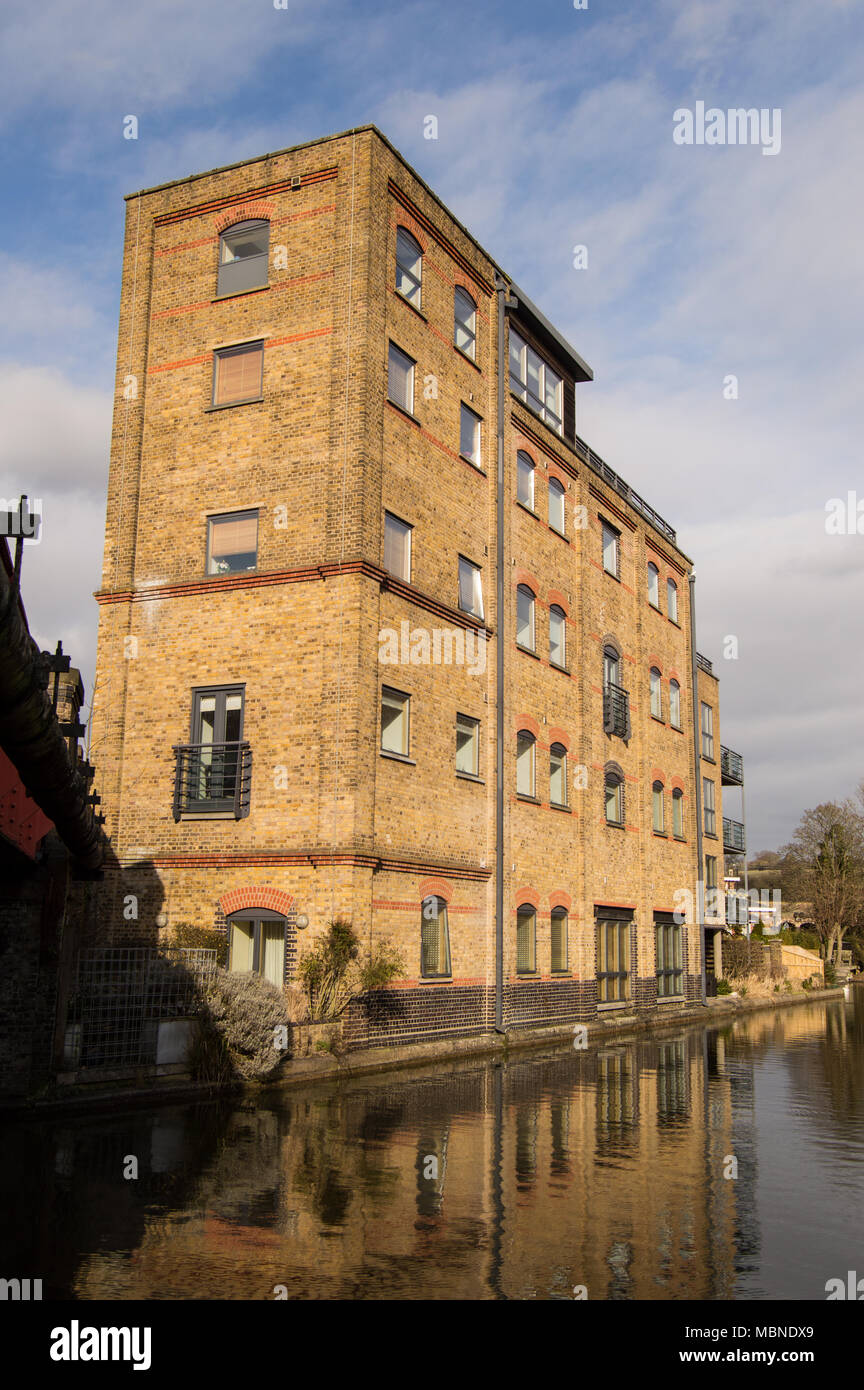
x=623, y=489
x=704, y=664
x=212, y=779
x=616, y=710
x=731, y=768
x=733, y=836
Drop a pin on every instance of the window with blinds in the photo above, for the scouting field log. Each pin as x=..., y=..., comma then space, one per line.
x=397, y=547
x=238, y=374
x=613, y=960
x=434, y=939
x=558, y=957
x=526, y=940
x=232, y=543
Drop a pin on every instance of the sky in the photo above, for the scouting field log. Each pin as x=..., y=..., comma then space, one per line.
x=705, y=263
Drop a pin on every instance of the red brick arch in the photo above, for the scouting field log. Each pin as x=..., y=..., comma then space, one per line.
x=556, y=597
x=677, y=785
x=530, y=580
x=526, y=895
x=557, y=735
x=246, y=212
x=525, y=721
x=407, y=221
x=560, y=899
x=256, y=895
x=435, y=888
x=658, y=775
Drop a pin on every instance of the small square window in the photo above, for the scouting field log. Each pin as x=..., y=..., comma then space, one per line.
x=397, y=547
x=237, y=374
x=232, y=543
x=467, y=745
x=395, y=706
x=400, y=379
x=469, y=435
x=470, y=588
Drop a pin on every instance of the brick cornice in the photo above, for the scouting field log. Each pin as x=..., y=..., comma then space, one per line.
x=313, y=858
x=235, y=199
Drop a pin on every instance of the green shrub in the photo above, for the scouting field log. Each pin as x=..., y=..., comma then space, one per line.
x=192, y=937
x=332, y=977
x=742, y=990
x=724, y=987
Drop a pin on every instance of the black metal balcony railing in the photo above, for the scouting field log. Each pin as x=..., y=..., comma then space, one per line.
x=624, y=489
x=704, y=664
x=733, y=836
x=616, y=710
x=212, y=777
x=731, y=767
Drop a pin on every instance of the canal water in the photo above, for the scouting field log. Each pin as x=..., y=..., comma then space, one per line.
x=712, y=1163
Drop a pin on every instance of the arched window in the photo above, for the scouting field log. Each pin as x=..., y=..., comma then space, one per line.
x=678, y=813
x=557, y=636
x=556, y=505
x=525, y=745
x=616, y=700
x=256, y=942
x=409, y=267
x=526, y=940
x=465, y=323
x=657, y=811
x=434, y=939
x=611, y=666
x=243, y=256
x=558, y=954
x=525, y=618
x=656, y=693
x=672, y=599
x=613, y=780
x=525, y=480
x=675, y=704
x=653, y=585
x=558, y=774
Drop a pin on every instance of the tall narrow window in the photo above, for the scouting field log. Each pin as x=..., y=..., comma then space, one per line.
x=232, y=543
x=535, y=383
x=465, y=323
x=558, y=774
x=467, y=745
x=400, y=378
x=675, y=704
x=214, y=763
x=556, y=505
x=656, y=685
x=397, y=547
x=611, y=557
x=707, y=731
x=525, y=480
x=470, y=588
x=670, y=956
x=557, y=637
x=616, y=700
x=434, y=939
x=613, y=960
x=409, y=267
x=559, y=955
x=708, y=806
x=395, y=706
x=672, y=599
x=653, y=585
x=614, y=794
x=526, y=940
x=469, y=435
x=243, y=255
x=678, y=813
x=710, y=871
x=525, y=745
x=657, y=812
x=237, y=374
x=525, y=618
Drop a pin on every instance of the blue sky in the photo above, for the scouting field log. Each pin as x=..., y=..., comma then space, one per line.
x=554, y=130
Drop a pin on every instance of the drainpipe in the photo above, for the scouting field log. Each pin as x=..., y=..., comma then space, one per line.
x=697, y=766
x=504, y=303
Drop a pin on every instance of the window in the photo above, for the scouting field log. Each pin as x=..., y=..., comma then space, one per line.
x=672, y=599
x=465, y=323
x=214, y=764
x=656, y=693
x=557, y=636
x=467, y=745
x=670, y=956
x=526, y=940
x=232, y=543
x=675, y=704
x=400, y=379
x=535, y=383
x=616, y=701
x=237, y=374
x=614, y=792
x=558, y=774
x=434, y=939
x=653, y=585
x=611, y=667
x=395, y=707
x=710, y=871
x=611, y=549
x=524, y=763
x=525, y=618
x=707, y=731
x=678, y=813
x=256, y=942
x=613, y=960
x=708, y=804
x=558, y=954
x=470, y=589
x=525, y=480
x=657, y=811
x=556, y=505
x=409, y=267
x=469, y=435
x=397, y=547
x=243, y=253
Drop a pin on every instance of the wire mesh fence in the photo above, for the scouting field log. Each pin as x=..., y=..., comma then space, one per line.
x=123, y=993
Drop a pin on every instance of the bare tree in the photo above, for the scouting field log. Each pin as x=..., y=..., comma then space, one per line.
x=826, y=868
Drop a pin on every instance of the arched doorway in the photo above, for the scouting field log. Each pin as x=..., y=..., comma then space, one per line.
x=257, y=941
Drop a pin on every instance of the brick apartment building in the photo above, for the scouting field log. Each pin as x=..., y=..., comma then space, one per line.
x=380, y=636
